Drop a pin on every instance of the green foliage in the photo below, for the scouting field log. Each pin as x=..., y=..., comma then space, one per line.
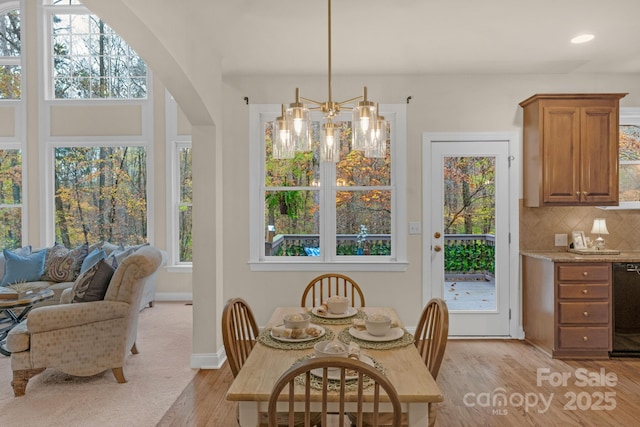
x=469, y=258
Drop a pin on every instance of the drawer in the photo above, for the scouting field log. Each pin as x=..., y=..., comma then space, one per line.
x=583, y=338
x=584, y=273
x=583, y=312
x=583, y=291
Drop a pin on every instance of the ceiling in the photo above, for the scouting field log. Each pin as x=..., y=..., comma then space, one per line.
x=427, y=36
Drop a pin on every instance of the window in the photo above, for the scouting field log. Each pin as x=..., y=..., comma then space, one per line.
x=10, y=69
x=10, y=198
x=87, y=59
x=100, y=195
x=179, y=180
x=312, y=213
x=629, y=158
x=184, y=202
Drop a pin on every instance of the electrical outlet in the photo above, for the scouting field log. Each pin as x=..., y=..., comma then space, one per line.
x=414, y=227
x=561, y=240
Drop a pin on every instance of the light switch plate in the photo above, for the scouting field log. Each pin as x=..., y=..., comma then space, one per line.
x=414, y=227
x=561, y=240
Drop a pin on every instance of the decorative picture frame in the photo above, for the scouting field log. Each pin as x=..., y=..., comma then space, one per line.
x=579, y=241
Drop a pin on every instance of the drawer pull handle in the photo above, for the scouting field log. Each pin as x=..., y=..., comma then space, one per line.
x=585, y=273
x=585, y=338
x=586, y=314
x=584, y=291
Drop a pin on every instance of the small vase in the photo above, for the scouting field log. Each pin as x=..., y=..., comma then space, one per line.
x=359, y=251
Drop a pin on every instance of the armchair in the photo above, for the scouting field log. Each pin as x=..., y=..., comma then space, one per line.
x=84, y=338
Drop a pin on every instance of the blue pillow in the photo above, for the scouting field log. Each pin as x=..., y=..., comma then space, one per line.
x=26, y=268
x=91, y=259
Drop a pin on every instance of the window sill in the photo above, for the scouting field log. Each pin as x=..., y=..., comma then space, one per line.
x=373, y=265
x=179, y=268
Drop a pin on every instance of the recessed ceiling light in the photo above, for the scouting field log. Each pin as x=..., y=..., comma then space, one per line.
x=582, y=38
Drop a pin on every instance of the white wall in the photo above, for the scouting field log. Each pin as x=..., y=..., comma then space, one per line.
x=173, y=41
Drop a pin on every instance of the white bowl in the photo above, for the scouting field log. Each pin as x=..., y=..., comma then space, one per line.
x=330, y=349
x=337, y=304
x=296, y=321
x=378, y=324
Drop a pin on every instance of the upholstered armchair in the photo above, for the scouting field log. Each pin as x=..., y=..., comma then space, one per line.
x=84, y=338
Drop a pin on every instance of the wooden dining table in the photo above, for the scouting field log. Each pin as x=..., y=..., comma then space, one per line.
x=401, y=363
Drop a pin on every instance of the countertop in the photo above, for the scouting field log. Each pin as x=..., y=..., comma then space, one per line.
x=624, y=256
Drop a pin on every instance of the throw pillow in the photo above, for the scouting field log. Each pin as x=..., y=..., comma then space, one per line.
x=92, y=284
x=20, y=251
x=62, y=264
x=91, y=259
x=26, y=268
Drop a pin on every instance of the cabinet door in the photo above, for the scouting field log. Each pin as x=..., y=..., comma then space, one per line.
x=561, y=152
x=599, y=155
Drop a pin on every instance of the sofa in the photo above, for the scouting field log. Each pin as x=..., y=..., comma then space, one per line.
x=60, y=267
x=89, y=335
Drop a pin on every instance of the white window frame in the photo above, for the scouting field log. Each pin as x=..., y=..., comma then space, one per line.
x=261, y=113
x=627, y=116
x=174, y=144
x=45, y=35
x=19, y=140
x=48, y=142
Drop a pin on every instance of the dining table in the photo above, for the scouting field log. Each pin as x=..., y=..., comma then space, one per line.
x=395, y=355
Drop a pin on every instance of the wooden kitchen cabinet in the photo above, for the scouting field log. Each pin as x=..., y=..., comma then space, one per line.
x=571, y=149
x=567, y=307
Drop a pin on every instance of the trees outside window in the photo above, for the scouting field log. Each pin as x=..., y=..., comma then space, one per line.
x=185, y=202
x=321, y=212
x=10, y=198
x=10, y=69
x=100, y=195
x=88, y=59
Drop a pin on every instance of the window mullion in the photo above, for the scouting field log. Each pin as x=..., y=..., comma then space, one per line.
x=328, y=210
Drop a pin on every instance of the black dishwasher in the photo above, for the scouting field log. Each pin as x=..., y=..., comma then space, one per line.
x=626, y=309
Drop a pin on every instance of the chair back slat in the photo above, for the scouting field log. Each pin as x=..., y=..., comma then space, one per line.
x=239, y=332
x=432, y=333
x=383, y=390
x=327, y=285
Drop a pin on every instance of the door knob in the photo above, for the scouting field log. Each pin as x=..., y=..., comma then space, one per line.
x=437, y=248
x=436, y=235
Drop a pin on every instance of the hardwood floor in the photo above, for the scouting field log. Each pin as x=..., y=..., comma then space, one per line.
x=474, y=374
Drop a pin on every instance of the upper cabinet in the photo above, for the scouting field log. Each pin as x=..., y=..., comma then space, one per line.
x=571, y=149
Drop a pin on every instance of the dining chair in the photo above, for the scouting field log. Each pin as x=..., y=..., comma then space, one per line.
x=239, y=332
x=353, y=369
x=239, y=335
x=326, y=285
x=430, y=339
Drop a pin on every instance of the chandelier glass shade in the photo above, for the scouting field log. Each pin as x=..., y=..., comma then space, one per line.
x=292, y=130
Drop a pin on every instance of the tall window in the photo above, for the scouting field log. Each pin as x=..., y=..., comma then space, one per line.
x=323, y=212
x=184, y=202
x=100, y=195
x=10, y=137
x=10, y=70
x=88, y=59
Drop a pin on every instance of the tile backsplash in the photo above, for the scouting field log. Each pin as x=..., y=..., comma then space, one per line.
x=538, y=226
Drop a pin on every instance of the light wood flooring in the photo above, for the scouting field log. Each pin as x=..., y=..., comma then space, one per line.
x=473, y=373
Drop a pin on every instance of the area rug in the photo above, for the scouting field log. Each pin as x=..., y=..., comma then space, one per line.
x=155, y=378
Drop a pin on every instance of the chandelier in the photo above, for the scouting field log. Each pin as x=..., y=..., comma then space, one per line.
x=292, y=130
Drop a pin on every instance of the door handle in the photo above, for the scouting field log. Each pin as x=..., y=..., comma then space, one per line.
x=437, y=248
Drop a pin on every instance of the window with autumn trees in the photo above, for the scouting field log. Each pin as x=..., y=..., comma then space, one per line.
x=11, y=136
x=306, y=211
x=629, y=154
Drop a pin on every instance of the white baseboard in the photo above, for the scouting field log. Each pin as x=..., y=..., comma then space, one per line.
x=174, y=296
x=208, y=360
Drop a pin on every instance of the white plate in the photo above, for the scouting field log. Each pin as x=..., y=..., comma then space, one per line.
x=351, y=311
x=393, y=334
x=307, y=338
x=334, y=374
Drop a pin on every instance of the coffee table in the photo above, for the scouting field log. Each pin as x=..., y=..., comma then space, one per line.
x=12, y=318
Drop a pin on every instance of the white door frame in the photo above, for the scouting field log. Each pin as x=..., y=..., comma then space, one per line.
x=514, y=142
